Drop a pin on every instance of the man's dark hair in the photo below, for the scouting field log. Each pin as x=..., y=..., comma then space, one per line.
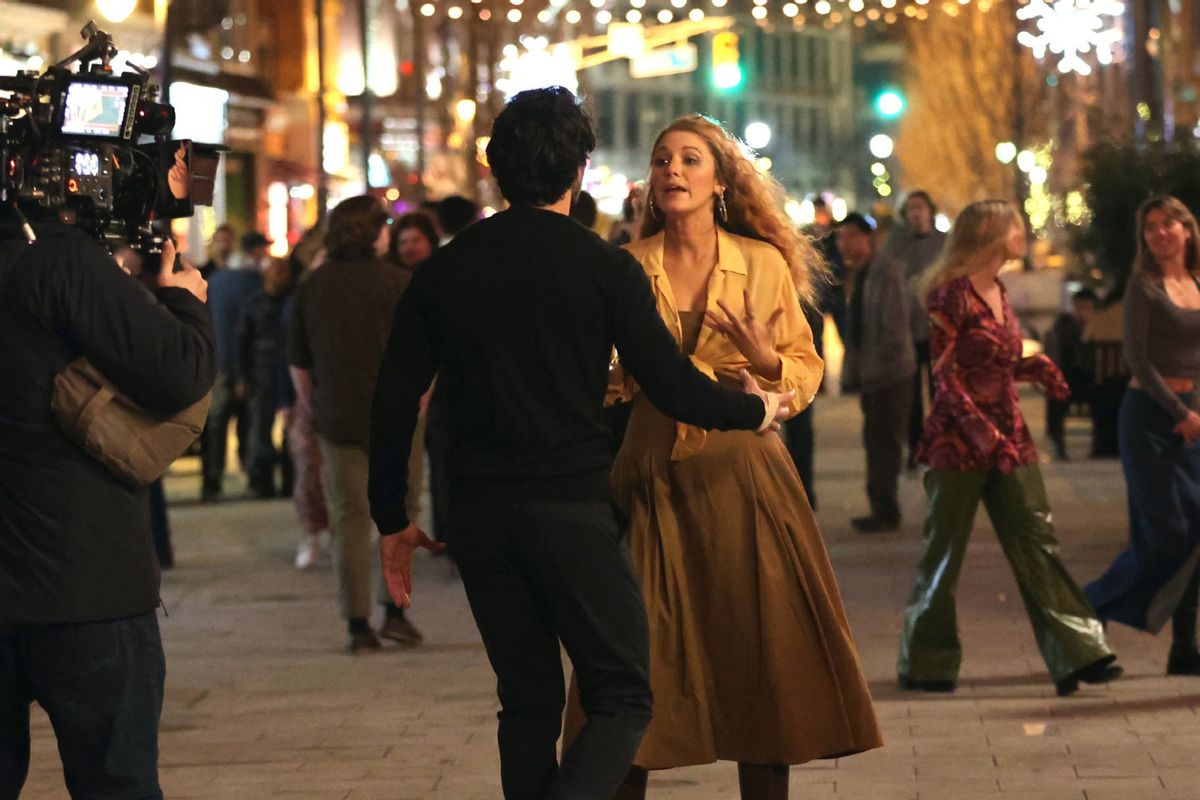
x=918, y=194
x=353, y=227
x=455, y=213
x=583, y=210
x=539, y=142
x=857, y=220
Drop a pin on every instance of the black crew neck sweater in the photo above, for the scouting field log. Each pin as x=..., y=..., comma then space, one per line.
x=517, y=317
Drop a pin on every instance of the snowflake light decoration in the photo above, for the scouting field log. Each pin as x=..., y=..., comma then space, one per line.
x=1072, y=29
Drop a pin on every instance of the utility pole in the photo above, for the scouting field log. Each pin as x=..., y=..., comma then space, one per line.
x=366, y=121
x=472, y=94
x=322, y=115
x=420, y=57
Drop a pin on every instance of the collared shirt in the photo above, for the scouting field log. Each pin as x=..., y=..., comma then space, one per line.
x=975, y=422
x=743, y=264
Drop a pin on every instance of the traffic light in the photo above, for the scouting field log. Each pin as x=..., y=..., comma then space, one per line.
x=889, y=103
x=726, y=69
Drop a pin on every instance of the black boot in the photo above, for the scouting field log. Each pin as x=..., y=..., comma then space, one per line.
x=1101, y=671
x=1185, y=656
x=634, y=785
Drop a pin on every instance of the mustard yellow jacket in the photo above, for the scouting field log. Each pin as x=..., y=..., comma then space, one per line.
x=742, y=264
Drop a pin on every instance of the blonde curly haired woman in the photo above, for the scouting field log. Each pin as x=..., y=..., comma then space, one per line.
x=751, y=656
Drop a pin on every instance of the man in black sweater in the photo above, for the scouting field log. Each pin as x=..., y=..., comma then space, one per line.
x=518, y=317
x=78, y=574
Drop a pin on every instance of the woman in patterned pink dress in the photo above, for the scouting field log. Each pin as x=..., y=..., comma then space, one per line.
x=978, y=448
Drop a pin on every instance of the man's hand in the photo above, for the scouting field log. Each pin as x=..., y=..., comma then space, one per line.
x=777, y=404
x=188, y=278
x=395, y=556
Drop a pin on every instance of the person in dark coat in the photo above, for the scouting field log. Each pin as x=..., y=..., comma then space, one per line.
x=79, y=580
x=1066, y=348
x=227, y=295
x=261, y=369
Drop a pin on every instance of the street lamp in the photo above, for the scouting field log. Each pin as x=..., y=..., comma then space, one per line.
x=758, y=135
x=881, y=145
x=116, y=10
x=1006, y=152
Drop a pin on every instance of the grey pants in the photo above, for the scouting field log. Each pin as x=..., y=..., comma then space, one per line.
x=344, y=472
x=885, y=430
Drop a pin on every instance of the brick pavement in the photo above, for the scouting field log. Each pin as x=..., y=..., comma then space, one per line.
x=262, y=702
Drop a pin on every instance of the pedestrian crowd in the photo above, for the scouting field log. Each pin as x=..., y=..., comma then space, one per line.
x=617, y=443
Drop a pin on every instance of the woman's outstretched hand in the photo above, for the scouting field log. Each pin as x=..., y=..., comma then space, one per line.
x=753, y=338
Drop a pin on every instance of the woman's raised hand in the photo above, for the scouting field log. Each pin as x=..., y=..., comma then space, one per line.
x=753, y=339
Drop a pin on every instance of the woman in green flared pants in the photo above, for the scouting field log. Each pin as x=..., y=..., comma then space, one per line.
x=978, y=448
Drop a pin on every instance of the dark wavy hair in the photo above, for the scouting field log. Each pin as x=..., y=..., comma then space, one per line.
x=539, y=142
x=353, y=227
x=918, y=194
x=1145, y=262
x=412, y=220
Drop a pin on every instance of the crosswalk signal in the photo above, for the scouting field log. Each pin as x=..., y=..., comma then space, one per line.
x=727, y=71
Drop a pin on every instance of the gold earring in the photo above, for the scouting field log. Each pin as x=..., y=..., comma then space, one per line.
x=655, y=211
x=722, y=211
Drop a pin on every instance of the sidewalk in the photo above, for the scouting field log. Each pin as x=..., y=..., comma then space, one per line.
x=262, y=701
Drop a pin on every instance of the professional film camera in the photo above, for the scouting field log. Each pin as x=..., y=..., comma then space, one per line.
x=91, y=148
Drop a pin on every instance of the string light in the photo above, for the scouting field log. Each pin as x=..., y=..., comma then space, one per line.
x=530, y=14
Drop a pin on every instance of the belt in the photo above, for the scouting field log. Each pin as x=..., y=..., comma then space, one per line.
x=1176, y=385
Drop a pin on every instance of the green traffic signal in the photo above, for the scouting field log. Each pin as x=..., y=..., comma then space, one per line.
x=726, y=66
x=890, y=104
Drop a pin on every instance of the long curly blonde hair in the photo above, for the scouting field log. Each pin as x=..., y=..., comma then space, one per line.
x=979, y=236
x=754, y=206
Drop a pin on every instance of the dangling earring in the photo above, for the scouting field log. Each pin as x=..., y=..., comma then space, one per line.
x=722, y=211
x=655, y=211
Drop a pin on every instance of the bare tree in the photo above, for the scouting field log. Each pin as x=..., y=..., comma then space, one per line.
x=970, y=86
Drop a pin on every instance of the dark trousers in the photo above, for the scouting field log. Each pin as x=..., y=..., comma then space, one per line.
x=101, y=683
x=225, y=406
x=916, y=417
x=439, y=437
x=800, y=438
x=537, y=574
x=1056, y=423
x=260, y=408
x=885, y=423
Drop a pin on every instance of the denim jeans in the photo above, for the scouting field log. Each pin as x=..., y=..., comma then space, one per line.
x=101, y=684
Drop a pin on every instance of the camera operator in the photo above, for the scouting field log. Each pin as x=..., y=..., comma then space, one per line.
x=79, y=580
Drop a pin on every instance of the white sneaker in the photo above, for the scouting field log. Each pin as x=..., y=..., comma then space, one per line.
x=308, y=553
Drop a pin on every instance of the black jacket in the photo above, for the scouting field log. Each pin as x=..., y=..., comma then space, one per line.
x=74, y=541
x=518, y=317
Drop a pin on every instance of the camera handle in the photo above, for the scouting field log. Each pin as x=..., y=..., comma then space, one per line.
x=99, y=46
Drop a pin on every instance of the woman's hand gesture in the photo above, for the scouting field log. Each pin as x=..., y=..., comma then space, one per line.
x=753, y=339
x=1189, y=428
